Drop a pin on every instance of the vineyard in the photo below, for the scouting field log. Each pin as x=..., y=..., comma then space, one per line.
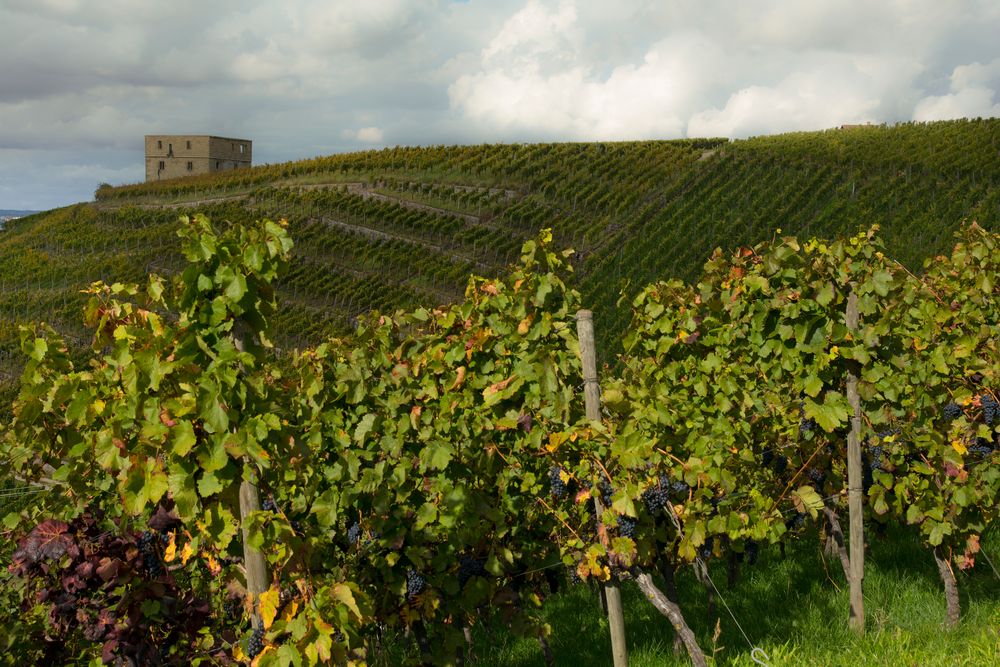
x=239, y=448
x=403, y=227
x=214, y=500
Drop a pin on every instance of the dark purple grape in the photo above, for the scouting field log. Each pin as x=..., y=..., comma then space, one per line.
x=556, y=482
x=256, y=643
x=656, y=497
x=816, y=476
x=469, y=567
x=415, y=583
x=626, y=526
x=990, y=408
x=952, y=411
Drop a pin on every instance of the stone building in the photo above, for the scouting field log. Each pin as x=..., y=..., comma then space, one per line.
x=177, y=155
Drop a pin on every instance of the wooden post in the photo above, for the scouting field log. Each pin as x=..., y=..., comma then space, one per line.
x=854, y=483
x=258, y=579
x=592, y=396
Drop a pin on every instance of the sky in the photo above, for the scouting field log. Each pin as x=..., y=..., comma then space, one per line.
x=81, y=81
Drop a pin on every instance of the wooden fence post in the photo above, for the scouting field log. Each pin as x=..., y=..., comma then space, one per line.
x=592, y=396
x=854, y=483
x=258, y=579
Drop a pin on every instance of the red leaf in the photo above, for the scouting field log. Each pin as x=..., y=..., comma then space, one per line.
x=48, y=541
x=109, y=568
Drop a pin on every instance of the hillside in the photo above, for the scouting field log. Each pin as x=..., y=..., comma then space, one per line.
x=405, y=226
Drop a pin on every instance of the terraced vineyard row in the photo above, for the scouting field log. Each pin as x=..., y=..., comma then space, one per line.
x=402, y=226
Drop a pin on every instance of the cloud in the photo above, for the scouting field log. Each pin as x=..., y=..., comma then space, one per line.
x=555, y=71
x=534, y=79
x=82, y=81
x=829, y=91
x=366, y=135
x=973, y=91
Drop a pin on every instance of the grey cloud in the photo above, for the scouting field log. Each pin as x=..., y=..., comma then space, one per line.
x=83, y=80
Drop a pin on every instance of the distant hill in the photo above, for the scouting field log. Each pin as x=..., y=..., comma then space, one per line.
x=9, y=214
x=405, y=226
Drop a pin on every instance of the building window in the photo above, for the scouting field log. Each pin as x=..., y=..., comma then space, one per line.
x=243, y=149
x=159, y=144
x=216, y=164
x=190, y=166
x=189, y=145
x=163, y=165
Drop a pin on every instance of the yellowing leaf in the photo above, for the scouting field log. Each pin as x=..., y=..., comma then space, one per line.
x=959, y=447
x=290, y=610
x=186, y=553
x=555, y=439
x=171, y=551
x=346, y=596
x=525, y=324
x=98, y=406
x=269, y=601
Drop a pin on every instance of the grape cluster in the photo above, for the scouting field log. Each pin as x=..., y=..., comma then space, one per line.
x=816, y=476
x=233, y=609
x=806, y=426
x=268, y=505
x=680, y=489
x=990, y=407
x=354, y=533
x=952, y=411
x=656, y=497
x=606, y=491
x=626, y=526
x=469, y=567
x=415, y=584
x=150, y=559
x=556, y=482
x=982, y=448
x=795, y=521
x=875, y=458
x=256, y=643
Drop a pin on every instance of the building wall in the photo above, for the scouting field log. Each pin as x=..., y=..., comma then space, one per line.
x=178, y=155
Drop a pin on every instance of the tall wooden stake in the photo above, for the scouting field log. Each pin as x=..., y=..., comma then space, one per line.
x=258, y=579
x=592, y=396
x=854, y=484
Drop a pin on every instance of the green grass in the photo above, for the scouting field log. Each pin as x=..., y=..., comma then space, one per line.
x=787, y=606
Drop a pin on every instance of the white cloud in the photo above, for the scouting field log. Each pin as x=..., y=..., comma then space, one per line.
x=368, y=135
x=829, y=91
x=91, y=77
x=534, y=80
x=973, y=91
x=708, y=68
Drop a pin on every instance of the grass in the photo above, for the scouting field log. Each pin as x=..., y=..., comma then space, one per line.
x=790, y=608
